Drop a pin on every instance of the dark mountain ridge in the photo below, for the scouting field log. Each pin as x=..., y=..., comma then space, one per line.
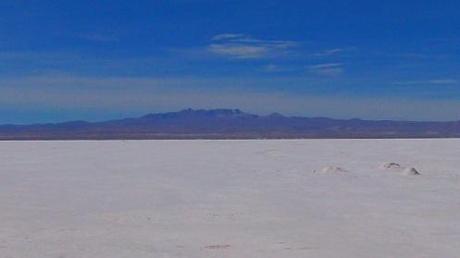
x=228, y=124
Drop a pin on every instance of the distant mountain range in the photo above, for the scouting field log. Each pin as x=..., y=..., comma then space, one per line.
x=228, y=124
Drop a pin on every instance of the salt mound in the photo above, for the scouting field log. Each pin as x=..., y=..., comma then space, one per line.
x=390, y=165
x=395, y=167
x=410, y=172
x=332, y=170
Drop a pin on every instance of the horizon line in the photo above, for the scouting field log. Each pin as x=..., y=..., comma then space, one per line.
x=237, y=110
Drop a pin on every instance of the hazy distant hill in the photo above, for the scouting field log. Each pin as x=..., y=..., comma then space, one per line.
x=228, y=124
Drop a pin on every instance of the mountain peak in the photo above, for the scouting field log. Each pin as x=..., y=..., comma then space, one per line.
x=189, y=112
x=222, y=112
x=213, y=111
x=276, y=115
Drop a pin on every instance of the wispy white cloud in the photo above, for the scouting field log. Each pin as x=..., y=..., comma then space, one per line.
x=240, y=46
x=239, y=51
x=338, y=51
x=328, y=69
x=227, y=36
x=282, y=68
x=432, y=82
x=329, y=52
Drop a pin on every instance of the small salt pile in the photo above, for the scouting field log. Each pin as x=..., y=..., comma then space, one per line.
x=390, y=165
x=395, y=167
x=332, y=170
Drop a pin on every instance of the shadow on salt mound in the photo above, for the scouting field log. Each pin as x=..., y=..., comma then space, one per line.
x=410, y=172
x=331, y=170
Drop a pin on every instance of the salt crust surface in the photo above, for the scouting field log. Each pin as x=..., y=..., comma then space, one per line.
x=114, y=199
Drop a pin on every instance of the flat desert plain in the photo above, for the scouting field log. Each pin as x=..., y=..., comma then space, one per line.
x=245, y=199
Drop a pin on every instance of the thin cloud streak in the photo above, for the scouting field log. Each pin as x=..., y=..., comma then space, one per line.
x=431, y=82
x=329, y=52
x=328, y=69
x=240, y=46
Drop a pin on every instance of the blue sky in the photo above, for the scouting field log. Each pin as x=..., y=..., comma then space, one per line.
x=103, y=59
